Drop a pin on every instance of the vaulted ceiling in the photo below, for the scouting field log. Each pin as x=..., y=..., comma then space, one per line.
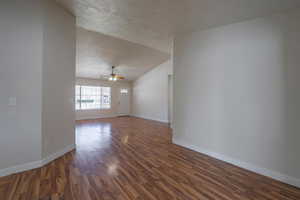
x=96, y=53
x=153, y=23
x=147, y=22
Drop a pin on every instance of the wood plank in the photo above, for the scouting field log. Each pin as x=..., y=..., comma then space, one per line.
x=130, y=158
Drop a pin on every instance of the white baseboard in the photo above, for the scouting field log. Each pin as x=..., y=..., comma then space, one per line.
x=259, y=170
x=35, y=164
x=78, y=118
x=150, y=118
x=20, y=168
x=58, y=154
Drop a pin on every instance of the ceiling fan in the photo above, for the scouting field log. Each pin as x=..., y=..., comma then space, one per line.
x=113, y=76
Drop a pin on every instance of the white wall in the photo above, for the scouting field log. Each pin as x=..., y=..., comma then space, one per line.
x=150, y=93
x=58, y=125
x=115, y=98
x=37, y=70
x=21, y=52
x=237, y=94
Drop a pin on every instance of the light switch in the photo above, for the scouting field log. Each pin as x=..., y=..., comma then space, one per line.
x=12, y=101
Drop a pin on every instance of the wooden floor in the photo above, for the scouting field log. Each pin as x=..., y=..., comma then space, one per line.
x=130, y=158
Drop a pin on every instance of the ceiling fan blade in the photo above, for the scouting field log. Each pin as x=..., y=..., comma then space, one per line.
x=105, y=76
x=120, y=77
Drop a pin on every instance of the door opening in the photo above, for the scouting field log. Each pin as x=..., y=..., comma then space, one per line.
x=124, y=102
x=170, y=100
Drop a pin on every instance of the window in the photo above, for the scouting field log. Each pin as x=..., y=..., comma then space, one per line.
x=124, y=91
x=92, y=97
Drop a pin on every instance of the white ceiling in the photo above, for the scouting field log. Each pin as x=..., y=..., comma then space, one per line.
x=153, y=23
x=96, y=53
x=203, y=14
x=147, y=22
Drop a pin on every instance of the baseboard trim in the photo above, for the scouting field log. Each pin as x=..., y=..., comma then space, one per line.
x=20, y=168
x=35, y=164
x=149, y=118
x=58, y=154
x=95, y=117
x=259, y=170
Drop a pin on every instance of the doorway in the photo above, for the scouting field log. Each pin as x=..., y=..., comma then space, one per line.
x=170, y=100
x=124, y=102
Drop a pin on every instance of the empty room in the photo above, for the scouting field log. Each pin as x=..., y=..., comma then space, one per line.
x=150, y=100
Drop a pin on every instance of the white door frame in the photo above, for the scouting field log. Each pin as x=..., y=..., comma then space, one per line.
x=124, y=102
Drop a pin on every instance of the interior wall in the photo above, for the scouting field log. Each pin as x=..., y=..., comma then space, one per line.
x=237, y=94
x=58, y=124
x=115, y=94
x=150, y=93
x=37, y=70
x=21, y=35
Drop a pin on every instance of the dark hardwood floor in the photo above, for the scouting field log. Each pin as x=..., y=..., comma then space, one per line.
x=131, y=158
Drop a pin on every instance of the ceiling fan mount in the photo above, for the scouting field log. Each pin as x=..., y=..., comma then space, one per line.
x=113, y=76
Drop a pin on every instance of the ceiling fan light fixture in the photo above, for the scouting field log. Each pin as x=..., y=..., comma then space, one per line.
x=114, y=77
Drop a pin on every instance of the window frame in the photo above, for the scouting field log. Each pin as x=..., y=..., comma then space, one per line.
x=124, y=91
x=101, y=107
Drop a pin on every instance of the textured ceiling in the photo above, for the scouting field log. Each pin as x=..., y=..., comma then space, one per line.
x=147, y=22
x=154, y=22
x=203, y=14
x=96, y=53
x=151, y=23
